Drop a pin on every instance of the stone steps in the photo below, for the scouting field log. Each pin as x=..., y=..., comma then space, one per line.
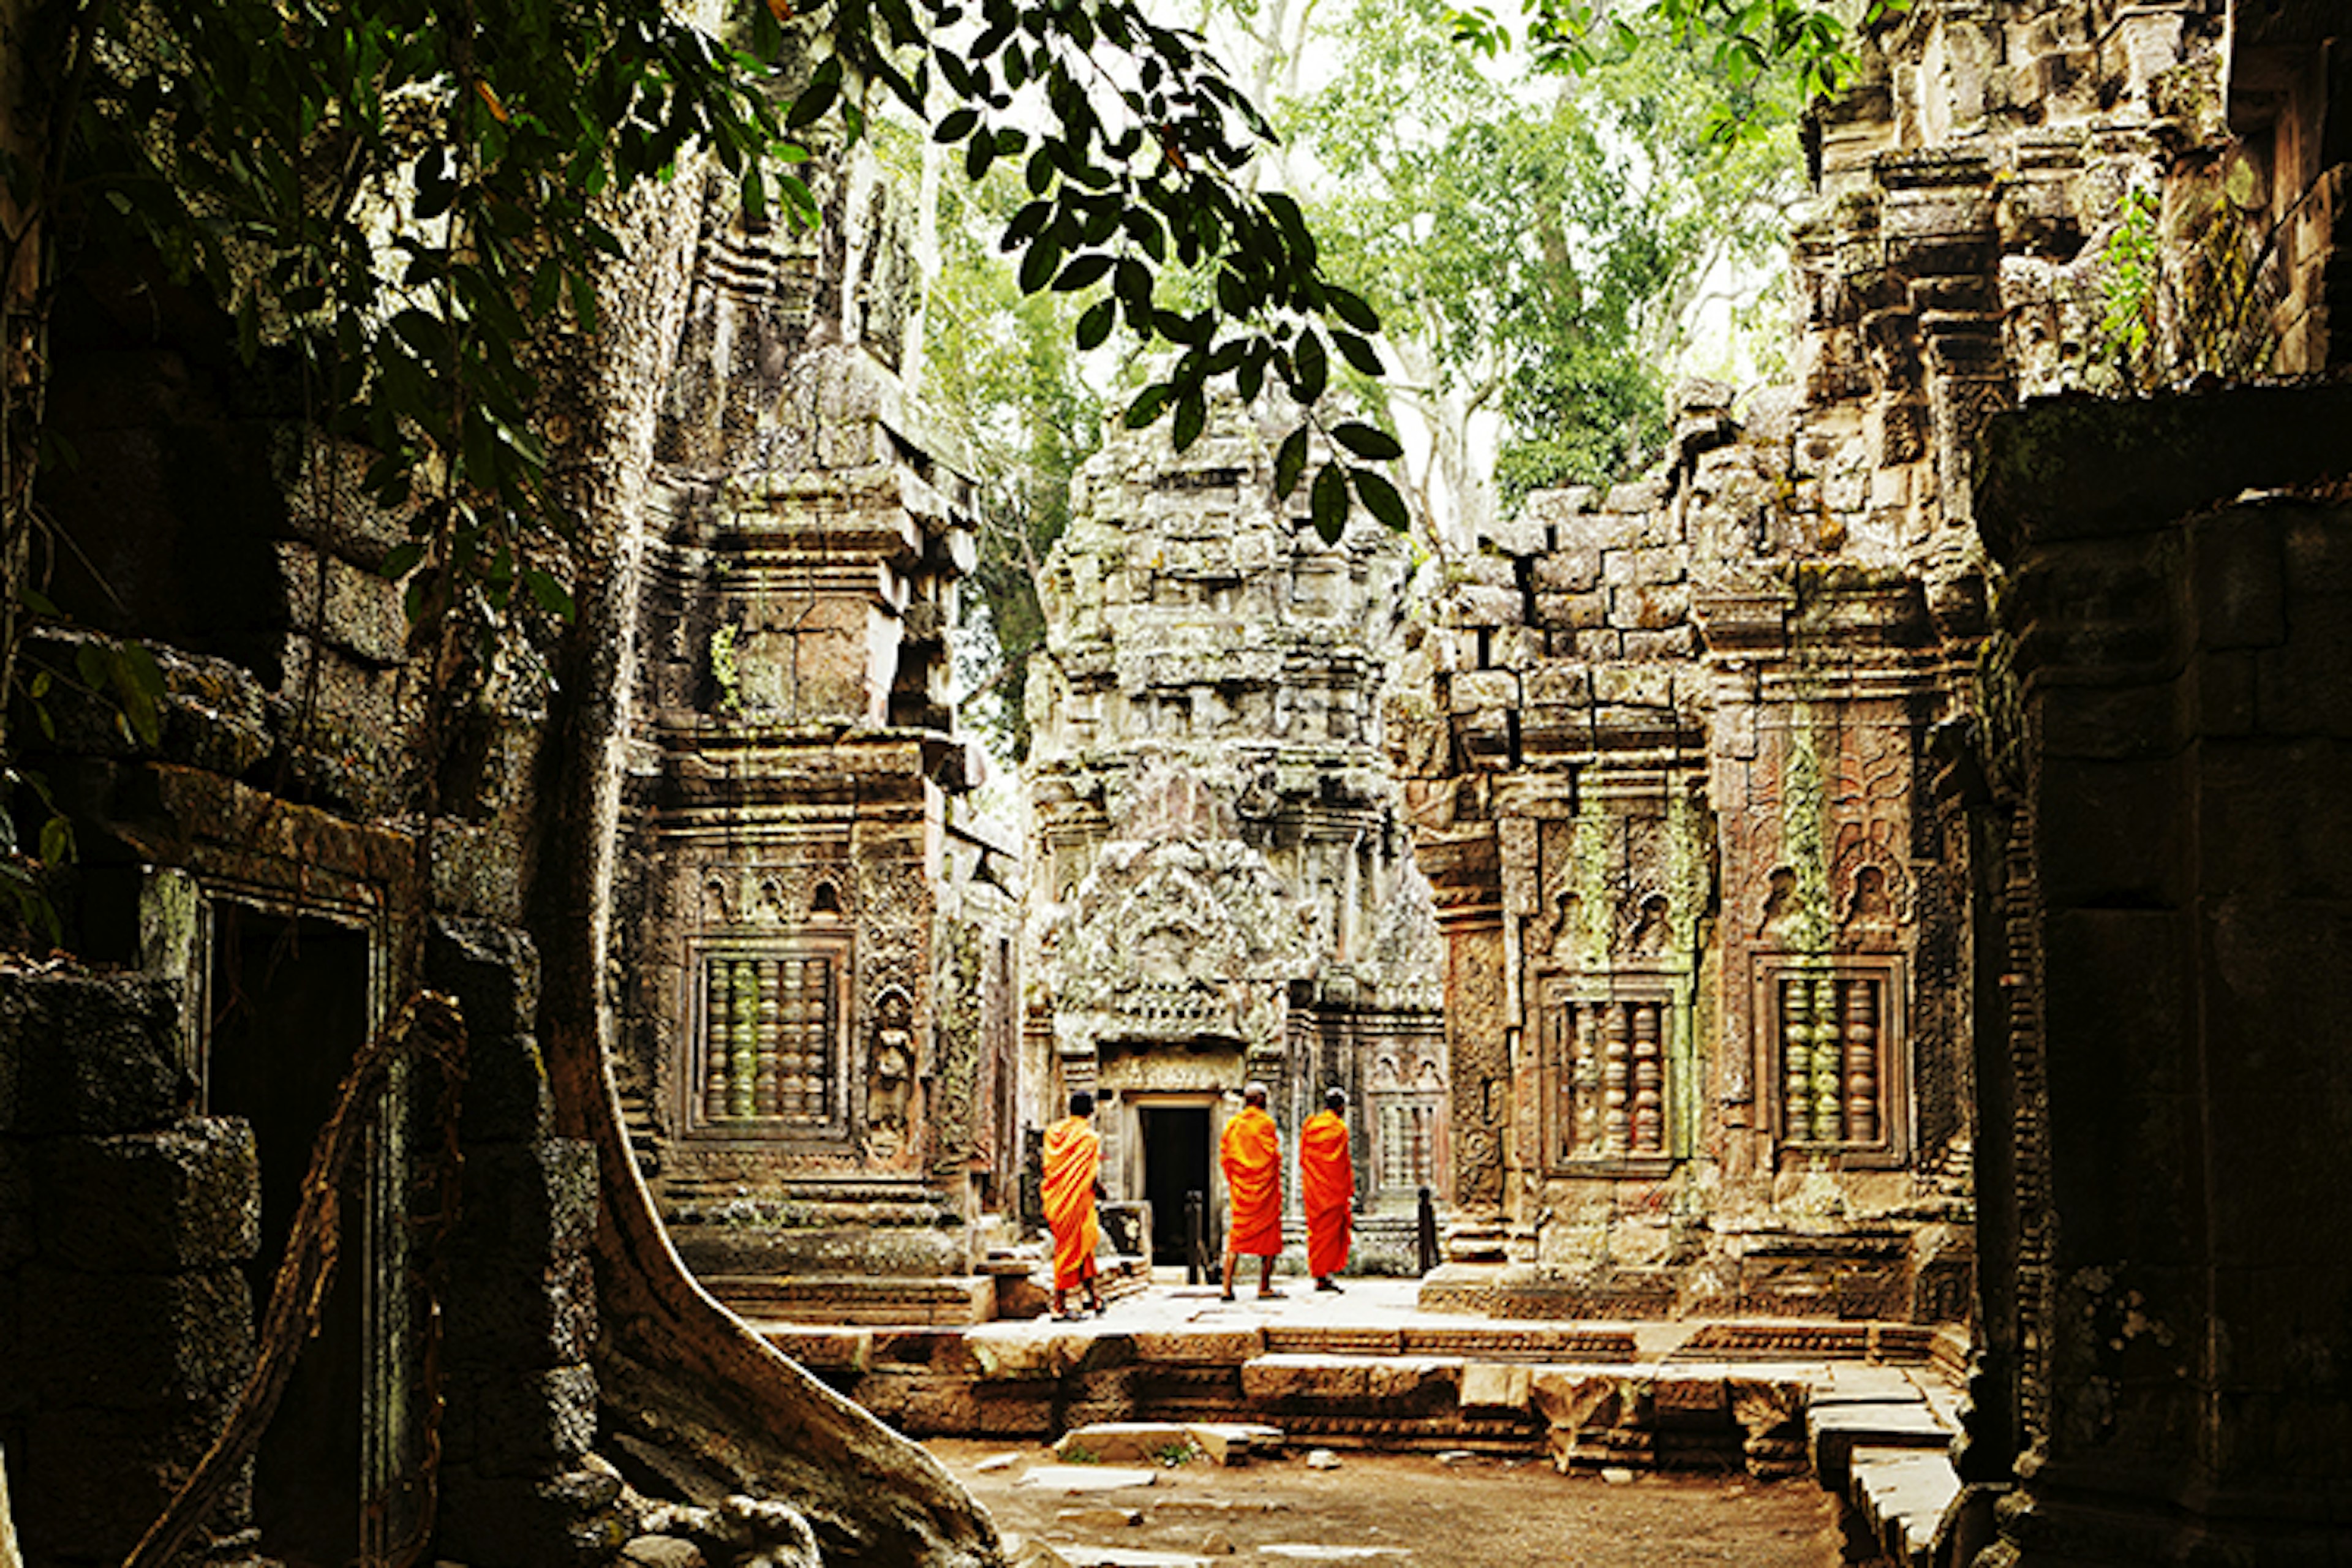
x=1871, y=1424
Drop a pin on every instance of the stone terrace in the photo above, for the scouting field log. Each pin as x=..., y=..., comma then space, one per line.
x=1867, y=1408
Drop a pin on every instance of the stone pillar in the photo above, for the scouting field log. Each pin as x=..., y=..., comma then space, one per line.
x=2182, y=732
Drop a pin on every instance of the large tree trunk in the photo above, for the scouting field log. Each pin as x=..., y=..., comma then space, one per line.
x=872, y=1495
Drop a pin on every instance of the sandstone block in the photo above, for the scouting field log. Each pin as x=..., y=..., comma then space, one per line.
x=84, y=1053
x=130, y=1341
x=506, y=1421
x=1473, y=604
x=1306, y=1378
x=1649, y=606
x=1494, y=1386
x=150, y=1203
x=1569, y=571
x=1122, y=1442
x=1213, y=1347
x=1483, y=689
x=1234, y=1442
x=1572, y=611
x=1081, y=1481
x=1624, y=568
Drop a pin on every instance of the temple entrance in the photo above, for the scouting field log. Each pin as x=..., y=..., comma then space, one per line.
x=1175, y=1163
x=288, y=1008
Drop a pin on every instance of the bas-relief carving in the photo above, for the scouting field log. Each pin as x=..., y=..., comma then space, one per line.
x=1479, y=1063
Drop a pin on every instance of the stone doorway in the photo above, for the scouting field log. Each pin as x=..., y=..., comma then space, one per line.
x=1176, y=1162
x=288, y=999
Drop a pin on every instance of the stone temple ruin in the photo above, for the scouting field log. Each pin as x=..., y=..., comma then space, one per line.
x=1221, y=886
x=820, y=1055
x=1880, y=880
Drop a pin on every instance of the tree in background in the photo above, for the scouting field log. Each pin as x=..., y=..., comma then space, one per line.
x=1535, y=240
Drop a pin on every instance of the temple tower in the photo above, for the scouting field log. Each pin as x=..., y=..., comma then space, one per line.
x=1221, y=888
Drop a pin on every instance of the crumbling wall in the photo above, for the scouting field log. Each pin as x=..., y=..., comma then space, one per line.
x=126, y=1222
x=1681, y=756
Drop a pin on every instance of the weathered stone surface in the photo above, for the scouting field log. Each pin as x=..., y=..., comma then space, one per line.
x=661, y=1551
x=1076, y=1481
x=152, y=1202
x=87, y=1055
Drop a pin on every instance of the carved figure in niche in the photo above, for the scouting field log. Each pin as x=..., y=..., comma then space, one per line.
x=1568, y=918
x=890, y=1072
x=1384, y=1073
x=718, y=900
x=1870, y=904
x=1780, y=903
x=1647, y=933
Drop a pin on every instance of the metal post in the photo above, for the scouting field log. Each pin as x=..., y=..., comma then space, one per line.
x=1196, y=1240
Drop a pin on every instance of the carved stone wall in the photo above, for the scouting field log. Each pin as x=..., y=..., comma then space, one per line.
x=817, y=936
x=1680, y=757
x=1221, y=888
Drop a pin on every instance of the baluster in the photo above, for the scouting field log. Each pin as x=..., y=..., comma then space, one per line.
x=715, y=1013
x=1797, y=1058
x=1861, y=1060
x=743, y=1037
x=1648, y=1082
x=824, y=1036
x=801, y=1038
x=764, y=1089
x=1828, y=1118
x=1616, y=1102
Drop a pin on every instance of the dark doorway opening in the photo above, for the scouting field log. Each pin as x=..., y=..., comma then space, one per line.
x=1175, y=1162
x=288, y=1003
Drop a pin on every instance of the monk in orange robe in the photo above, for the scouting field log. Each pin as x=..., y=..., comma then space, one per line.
x=1326, y=1185
x=1073, y=1182
x=1251, y=1152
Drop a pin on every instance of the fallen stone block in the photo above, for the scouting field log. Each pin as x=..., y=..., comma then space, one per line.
x=1234, y=1442
x=1080, y=1480
x=1492, y=1385
x=1122, y=1441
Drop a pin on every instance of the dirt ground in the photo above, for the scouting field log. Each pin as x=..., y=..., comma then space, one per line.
x=1409, y=1509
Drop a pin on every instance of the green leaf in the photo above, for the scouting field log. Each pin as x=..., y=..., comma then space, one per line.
x=1093, y=326
x=1290, y=462
x=1382, y=499
x=1361, y=355
x=550, y=594
x=1366, y=441
x=958, y=125
x=1147, y=406
x=58, y=841
x=1191, y=418
x=1327, y=503
x=1351, y=308
x=400, y=560
x=1310, y=366
x=1082, y=271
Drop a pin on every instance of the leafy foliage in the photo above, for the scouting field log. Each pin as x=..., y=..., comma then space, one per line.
x=1762, y=51
x=405, y=199
x=1535, y=243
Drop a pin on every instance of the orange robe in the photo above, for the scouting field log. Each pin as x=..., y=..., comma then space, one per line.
x=1327, y=1184
x=1251, y=1152
x=1072, y=1164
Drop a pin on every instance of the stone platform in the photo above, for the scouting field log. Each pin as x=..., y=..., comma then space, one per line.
x=1370, y=1369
